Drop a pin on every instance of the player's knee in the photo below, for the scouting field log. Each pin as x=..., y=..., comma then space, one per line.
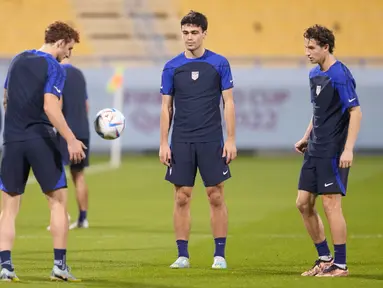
x=332, y=203
x=305, y=207
x=215, y=195
x=182, y=196
x=78, y=176
x=57, y=198
x=11, y=204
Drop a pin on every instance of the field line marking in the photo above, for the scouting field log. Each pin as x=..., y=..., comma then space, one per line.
x=94, y=169
x=258, y=236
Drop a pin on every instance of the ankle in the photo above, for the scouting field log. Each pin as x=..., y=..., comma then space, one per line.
x=6, y=260
x=60, y=258
x=182, y=246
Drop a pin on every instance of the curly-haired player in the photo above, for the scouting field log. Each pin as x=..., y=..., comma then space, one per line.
x=33, y=116
x=328, y=150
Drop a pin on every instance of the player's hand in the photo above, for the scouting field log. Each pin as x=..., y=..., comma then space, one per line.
x=346, y=159
x=76, y=151
x=229, y=151
x=301, y=146
x=165, y=154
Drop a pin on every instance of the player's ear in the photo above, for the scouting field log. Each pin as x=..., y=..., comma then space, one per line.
x=60, y=43
x=204, y=33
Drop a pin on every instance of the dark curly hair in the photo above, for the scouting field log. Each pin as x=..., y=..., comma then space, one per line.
x=195, y=18
x=60, y=30
x=321, y=35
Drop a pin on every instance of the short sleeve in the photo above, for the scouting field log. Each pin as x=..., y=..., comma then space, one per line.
x=85, y=84
x=56, y=78
x=311, y=89
x=6, y=78
x=226, y=76
x=347, y=93
x=167, y=87
x=6, y=82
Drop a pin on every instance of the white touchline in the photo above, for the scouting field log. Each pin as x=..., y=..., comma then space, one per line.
x=94, y=169
x=201, y=236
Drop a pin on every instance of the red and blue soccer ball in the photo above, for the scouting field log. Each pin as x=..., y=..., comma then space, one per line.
x=109, y=123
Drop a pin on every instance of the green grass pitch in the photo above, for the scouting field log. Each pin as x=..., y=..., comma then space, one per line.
x=131, y=242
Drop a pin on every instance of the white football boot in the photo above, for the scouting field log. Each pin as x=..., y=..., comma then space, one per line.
x=181, y=262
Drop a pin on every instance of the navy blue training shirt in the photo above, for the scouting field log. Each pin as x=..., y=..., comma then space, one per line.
x=197, y=85
x=74, y=102
x=332, y=94
x=31, y=74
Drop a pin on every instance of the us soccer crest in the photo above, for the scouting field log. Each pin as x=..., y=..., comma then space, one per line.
x=194, y=75
x=319, y=88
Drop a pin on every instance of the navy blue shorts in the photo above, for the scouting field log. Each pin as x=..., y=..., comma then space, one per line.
x=42, y=155
x=323, y=176
x=207, y=157
x=65, y=155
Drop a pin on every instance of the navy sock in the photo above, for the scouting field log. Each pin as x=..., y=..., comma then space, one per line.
x=340, y=254
x=82, y=216
x=323, y=249
x=60, y=258
x=182, y=246
x=5, y=260
x=220, y=244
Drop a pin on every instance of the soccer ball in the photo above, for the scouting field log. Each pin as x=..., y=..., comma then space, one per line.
x=109, y=123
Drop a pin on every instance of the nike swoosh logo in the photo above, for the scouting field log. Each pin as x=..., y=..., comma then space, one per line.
x=328, y=184
x=57, y=89
x=351, y=100
x=225, y=172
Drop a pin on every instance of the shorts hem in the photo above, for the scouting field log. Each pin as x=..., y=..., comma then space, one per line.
x=180, y=185
x=75, y=168
x=12, y=193
x=55, y=189
x=332, y=193
x=321, y=193
x=307, y=190
x=215, y=184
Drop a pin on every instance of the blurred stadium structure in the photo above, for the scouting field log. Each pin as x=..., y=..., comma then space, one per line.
x=262, y=40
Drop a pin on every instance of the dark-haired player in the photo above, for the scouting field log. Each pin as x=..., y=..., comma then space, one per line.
x=75, y=110
x=196, y=80
x=33, y=114
x=328, y=150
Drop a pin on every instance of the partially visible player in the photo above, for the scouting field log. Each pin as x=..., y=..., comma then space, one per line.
x=75, y=110
x=1, y=119
x=196, y=80
x=32, y=116
x=328, y=146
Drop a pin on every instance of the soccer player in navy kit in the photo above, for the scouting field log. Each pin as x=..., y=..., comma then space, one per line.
x=75, y=110
x=196, y=80
x=328, y=150
x=33, y=114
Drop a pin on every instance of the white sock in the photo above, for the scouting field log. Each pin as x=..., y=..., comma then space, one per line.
x=325, y=258
x=342, y=266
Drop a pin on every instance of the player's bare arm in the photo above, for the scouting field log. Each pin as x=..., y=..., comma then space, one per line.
x=165, y=123
x=53, y=111
x=353, y=131
x=229, y=150
x=301, y=145
x=5, y=99
x=87, y=106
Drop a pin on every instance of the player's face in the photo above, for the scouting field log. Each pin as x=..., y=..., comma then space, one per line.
x=193, y=36
x=315, y=52
x=64, y=50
